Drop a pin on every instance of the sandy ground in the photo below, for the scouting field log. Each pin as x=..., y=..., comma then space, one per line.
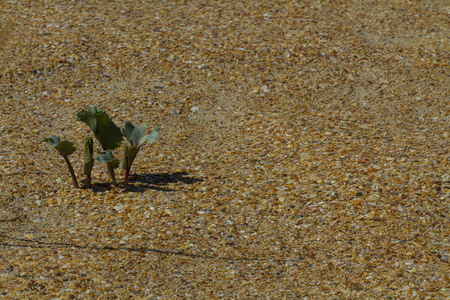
x=304, y=150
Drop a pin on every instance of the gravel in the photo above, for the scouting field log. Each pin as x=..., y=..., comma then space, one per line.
x=304, y=150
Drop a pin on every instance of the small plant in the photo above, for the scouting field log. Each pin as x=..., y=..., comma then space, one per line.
x=110, y=137
x=136, y=137
x=106, y=132
x=65, y=148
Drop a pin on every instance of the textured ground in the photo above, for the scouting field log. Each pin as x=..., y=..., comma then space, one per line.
x=304, y=150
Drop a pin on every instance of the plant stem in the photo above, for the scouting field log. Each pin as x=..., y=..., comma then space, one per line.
x=127, y=175
x=72, y=173
x=88, y=181
x=111, y=174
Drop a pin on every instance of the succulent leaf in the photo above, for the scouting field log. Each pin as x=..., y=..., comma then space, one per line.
x=88, y=155
x=114, y=163
x=153, y=136
x=106, y=156
x=105, y=131
x=135, y=134
x=129, y=154
x=65, y=148
x=53, y=140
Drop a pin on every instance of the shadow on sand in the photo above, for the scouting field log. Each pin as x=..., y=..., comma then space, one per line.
x=148, y=181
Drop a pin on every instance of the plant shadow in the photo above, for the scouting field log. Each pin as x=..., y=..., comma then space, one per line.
x=148, y=181
x=141, y=182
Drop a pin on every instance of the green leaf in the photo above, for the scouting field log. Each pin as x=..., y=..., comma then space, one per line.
x=114, y=163
x=105, y=131
x=129, y=154
x=105, y=156
x=153, y=136
x=88, y=155
x=53, y=140
x=136, y=134
x=65, y=148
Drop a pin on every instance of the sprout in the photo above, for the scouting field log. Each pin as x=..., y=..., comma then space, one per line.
x=110, y=137
x=105, y=131
x=136, y=137
x=65, y=148
x=88, y=159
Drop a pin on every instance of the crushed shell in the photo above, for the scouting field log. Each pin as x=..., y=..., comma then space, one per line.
x=304, y=150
